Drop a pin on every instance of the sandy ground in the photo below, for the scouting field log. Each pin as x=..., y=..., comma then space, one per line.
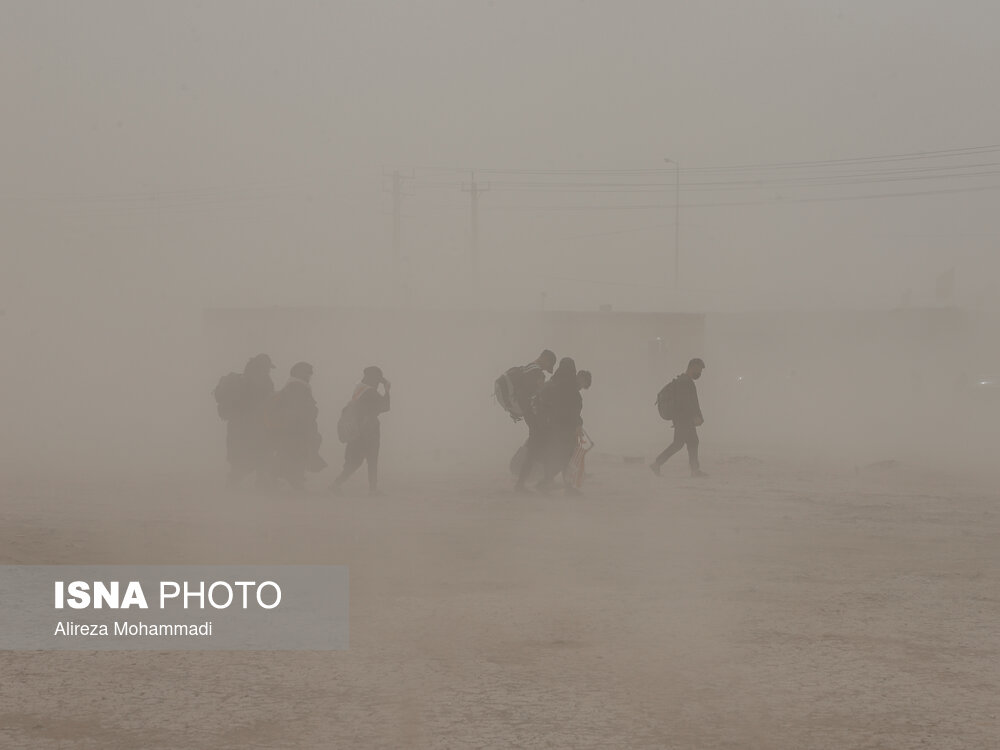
x=775, y=605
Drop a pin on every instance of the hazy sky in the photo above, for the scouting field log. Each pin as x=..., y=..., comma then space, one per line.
x=232, y=153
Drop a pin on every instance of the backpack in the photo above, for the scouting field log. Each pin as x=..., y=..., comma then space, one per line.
x=227, y=395
x=349, y=424
x=666, y=400
x=505, y=392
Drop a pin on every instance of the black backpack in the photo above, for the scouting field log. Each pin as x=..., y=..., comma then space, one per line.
x=505, y=392
x=349, y=424
x=666, y=400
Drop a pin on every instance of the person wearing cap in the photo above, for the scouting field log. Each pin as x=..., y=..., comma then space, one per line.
x=296, y=431
x=244, y=401
x=370, y=403
x=687, y=419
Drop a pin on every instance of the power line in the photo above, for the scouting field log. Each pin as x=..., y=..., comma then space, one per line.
x=947, y=153
x=617, y=232
x=605, y=282
x=871, y=196
x=810, y=182
x=775, y=201
x=748, y=182
x=915, y=155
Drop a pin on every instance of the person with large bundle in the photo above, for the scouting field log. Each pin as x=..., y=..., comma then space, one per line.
x=515, y=390
x=244, y=402
x=517, y=386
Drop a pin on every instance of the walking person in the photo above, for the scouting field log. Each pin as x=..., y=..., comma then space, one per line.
x=678, y=401
x=296, y=430
x=573, y=471
x=530, y=384
x=360, y=429
x=560, y=407
x=517, y=385
x=244, y=401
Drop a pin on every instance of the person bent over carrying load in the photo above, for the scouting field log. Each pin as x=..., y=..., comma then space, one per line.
x=524, y=385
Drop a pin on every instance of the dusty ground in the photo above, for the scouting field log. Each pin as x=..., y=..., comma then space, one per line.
x=776, y=605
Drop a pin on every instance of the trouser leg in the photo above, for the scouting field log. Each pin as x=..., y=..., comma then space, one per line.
x=679, y=440
x=354, y=456
x=371, y=457
x=692, y=445
x=559, y=453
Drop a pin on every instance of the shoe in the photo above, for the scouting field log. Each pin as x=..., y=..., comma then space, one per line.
x=698, y=473
x=574, y=492
x=655, y=469
x=545, y=487
x=334, y=489
x=521, y=489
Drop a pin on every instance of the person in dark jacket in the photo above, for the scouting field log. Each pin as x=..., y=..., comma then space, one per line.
x=370, y=404
x=248, y=438
x=560, y=407
x=296, y=430
x=687, y=418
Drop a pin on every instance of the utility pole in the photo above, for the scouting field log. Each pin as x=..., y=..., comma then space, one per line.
x=677, y=228
x=473, y=189
x=398, y=194
x=677, y=221
x=397, y=208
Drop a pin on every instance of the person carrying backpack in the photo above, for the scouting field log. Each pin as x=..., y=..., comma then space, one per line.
x=360, y=429
x=678, y=402
x=244, y=402
x=515, y=388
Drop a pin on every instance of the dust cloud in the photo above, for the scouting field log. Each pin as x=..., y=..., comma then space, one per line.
x=131, y=391
x=804, y=197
